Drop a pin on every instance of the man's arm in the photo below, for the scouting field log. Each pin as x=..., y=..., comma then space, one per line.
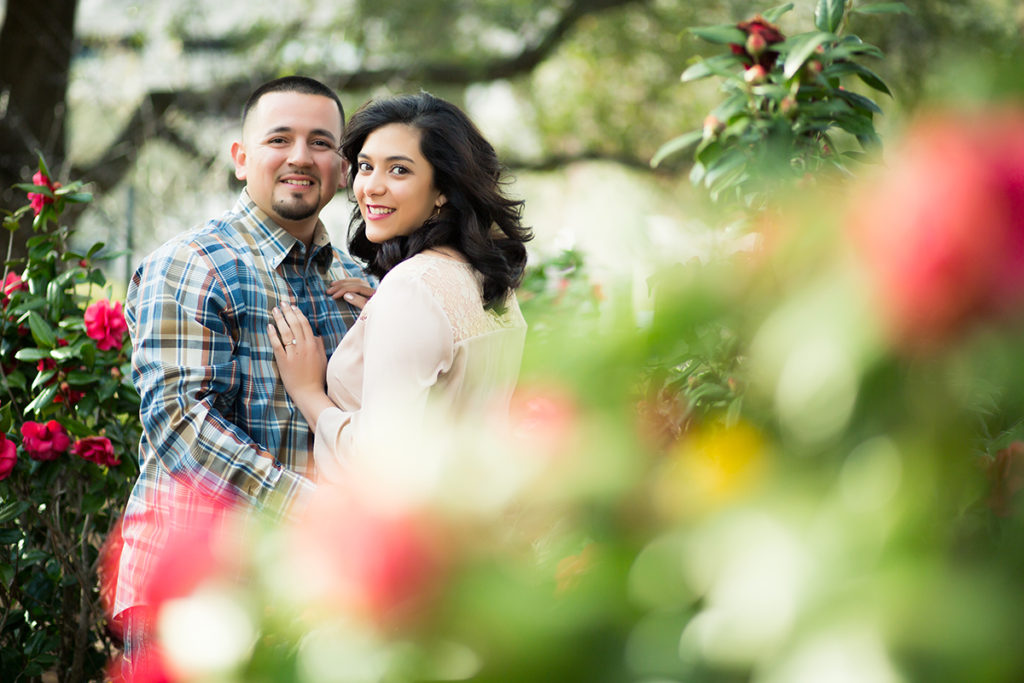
x=182, y=317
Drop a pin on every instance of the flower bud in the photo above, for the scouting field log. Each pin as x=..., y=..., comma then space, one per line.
x=756, y=44
x=788, y=106
x=712, y=126
x=755, y=75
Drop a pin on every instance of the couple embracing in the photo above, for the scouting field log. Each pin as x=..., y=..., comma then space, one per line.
x=262, y=362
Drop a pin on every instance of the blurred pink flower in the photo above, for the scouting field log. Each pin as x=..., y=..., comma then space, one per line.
x=8, y=456
x=941, y=229
x=44, y=441
x=36, y=199
x=543, y=419
x=104, y=322
x=383, y=566
x=12, y=284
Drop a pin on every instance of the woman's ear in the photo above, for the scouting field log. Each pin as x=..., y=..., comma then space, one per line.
x=440, y=201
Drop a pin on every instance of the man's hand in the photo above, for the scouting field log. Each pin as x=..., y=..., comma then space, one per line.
x=351, y=289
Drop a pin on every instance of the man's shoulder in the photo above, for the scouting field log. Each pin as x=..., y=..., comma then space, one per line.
x=218, y=241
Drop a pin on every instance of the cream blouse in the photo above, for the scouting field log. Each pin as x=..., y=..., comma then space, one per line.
x=424, y=340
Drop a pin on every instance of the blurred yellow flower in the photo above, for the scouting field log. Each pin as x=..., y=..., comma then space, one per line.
x=714, y=463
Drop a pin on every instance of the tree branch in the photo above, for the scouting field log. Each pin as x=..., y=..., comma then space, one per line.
x=226, y=99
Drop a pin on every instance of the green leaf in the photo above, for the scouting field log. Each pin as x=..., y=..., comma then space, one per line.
x=860, y=102
x=828, y=15
x=78, y=378
x=852, y=45
x=30, y=355
x=721, y=34
x=79, y=197
x=94, y=248
x=63, y=353
x=884, y=8
x=77, y=427
x=12, y=510
x=722, y=65
x=725, y=163
x=9, y=536
x=675, y=146
x=55, y=297
x=42, y=378
x=803, y=47
x=41, y=330
x=17, y=380
x=6, y=419
x=865, y=74
x=42, y=165
x=44, y=399
x=775, y=13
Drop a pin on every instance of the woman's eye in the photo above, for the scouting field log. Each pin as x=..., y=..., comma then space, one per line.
x=364, y=167
x=399, y=170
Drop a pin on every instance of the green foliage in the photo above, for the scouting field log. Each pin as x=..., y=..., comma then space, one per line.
x=788, y=111
x=55, y=515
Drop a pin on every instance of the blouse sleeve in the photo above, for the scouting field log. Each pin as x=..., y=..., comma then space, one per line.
x=408, y=342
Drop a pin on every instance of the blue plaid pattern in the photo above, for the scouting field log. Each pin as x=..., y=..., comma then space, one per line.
x=218, y=426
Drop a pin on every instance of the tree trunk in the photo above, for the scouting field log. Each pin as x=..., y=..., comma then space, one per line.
x=35, y=58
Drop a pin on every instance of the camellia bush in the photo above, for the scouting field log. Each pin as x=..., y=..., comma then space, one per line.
x=787, y=111
x=69, y=430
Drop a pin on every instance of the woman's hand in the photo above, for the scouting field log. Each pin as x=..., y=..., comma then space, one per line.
x=301, y=360
x=351, y=289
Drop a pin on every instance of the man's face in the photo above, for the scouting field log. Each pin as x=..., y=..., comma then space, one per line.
x=288, y=157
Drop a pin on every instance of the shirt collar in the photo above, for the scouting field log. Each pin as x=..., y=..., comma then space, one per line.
x=275, y=242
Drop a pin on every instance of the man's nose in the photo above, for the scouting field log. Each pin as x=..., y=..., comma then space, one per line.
x=299, y=154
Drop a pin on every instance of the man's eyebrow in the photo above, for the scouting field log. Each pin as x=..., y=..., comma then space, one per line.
x=316, y=132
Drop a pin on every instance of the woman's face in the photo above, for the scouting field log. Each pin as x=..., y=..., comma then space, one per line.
x=394, y=183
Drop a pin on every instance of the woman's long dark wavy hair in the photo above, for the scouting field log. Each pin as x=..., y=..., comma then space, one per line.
x=477, y=219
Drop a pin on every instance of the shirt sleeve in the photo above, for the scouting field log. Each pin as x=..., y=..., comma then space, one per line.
x=184, y=332
x=408, y=343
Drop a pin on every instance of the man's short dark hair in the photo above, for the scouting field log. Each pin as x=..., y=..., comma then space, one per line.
x=299, y=84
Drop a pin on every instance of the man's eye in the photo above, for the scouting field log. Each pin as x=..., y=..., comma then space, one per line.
x=323, y=143
x=276, y=141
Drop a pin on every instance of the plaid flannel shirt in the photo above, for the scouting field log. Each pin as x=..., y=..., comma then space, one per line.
x=218, y=426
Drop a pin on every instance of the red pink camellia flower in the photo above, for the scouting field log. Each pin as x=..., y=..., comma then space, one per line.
x=381, y=565
x=104, y=322
x=39, y=200
x=8, y=456
x=761, y=34
x=44, y=441
x=12, y=284
x=941, y=230
x=97, y=449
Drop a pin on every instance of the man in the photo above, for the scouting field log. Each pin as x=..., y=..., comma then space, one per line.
x=218, y=427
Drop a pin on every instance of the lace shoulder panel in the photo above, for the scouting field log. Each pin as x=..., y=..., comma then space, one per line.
x=458, y=289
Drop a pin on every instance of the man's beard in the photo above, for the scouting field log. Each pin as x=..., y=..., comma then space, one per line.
x=291, y=210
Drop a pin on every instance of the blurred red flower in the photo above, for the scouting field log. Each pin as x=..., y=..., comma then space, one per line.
x=97, y=449
x=104, y=322
x=44, y=441
x=8, y=456
x=760, y=35
x=382, y=565
x=12, y=284
x=941, y=229
x=39, y=200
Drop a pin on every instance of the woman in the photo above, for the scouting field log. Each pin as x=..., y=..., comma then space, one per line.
x=444, y=326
